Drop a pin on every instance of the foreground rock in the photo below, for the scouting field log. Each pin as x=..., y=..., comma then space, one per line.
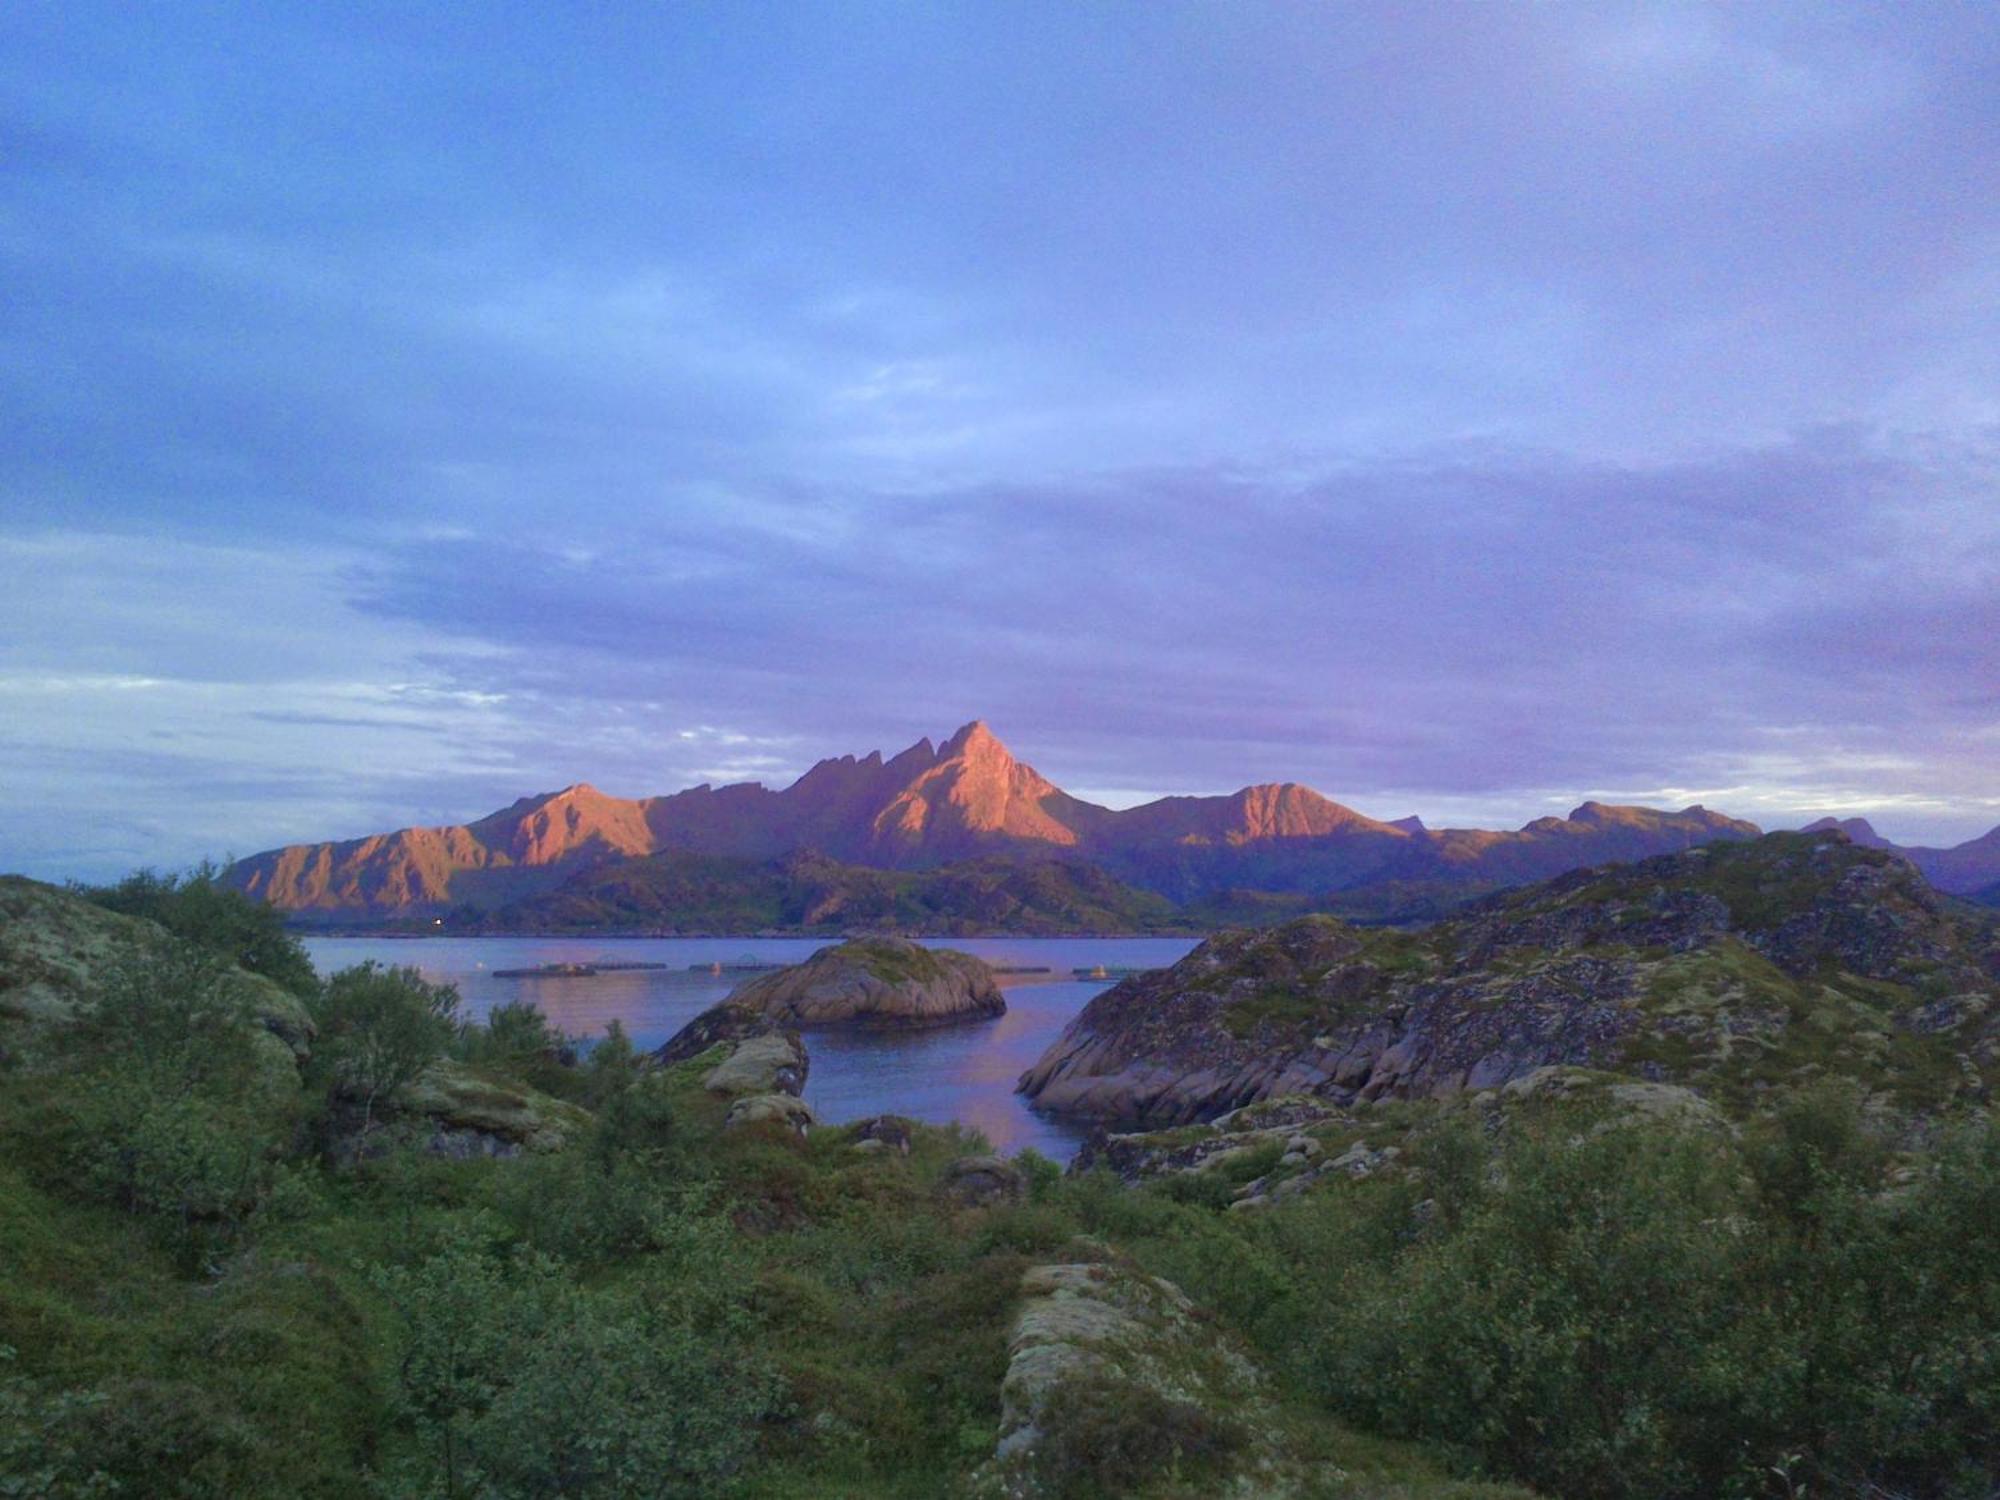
x=886, y=982
x=1732, y=970
x=781, y=1111
x=460, y=1112
x=774, y=1063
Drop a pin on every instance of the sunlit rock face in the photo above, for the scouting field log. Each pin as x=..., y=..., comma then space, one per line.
x=968, y=798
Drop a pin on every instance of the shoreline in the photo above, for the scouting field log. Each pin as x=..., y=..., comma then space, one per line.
x=627, y=935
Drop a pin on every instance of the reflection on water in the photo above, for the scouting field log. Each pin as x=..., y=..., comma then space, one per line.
x=963, y=1073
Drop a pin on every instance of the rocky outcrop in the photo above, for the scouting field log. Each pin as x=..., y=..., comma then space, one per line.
x=889, y=1134
x=1964, y=869
x=980, y=1181
x=779, y=1111
x=463, y=1112
x=1730, y=968
x=1116, y=1375
x=774, y=1063
x=881, y=982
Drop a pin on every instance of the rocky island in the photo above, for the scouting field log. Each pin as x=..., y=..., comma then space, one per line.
x=1733, y=969
x=874, y=982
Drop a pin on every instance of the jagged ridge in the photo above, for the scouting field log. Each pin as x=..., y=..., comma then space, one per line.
x=966, y=799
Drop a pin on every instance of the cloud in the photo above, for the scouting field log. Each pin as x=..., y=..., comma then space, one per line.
x=1508, y=624
x=1459, y=408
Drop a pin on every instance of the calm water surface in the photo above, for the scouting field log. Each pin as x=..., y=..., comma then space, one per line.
x=963, y=1073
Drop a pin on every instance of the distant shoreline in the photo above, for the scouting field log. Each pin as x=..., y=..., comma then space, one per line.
x=307, y=933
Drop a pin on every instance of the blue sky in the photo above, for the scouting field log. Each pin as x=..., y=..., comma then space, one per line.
x=1463, y=409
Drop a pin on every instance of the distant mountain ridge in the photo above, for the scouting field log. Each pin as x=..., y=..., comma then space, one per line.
x=967, y=799
x=1963, y=870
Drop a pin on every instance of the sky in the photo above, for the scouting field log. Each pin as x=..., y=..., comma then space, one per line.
x=1462, y=409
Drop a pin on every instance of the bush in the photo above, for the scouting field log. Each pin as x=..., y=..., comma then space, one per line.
x=164, y=1109
x=1643, y=1312
x=591, y=1209
x=378, y=1029
x=197, y=908
x=1103, y=1438
x=522, y=1383
x=517, y=1038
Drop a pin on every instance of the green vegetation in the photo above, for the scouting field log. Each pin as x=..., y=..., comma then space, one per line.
x=377, y=1030
x=229, y=1278
x=195, y=907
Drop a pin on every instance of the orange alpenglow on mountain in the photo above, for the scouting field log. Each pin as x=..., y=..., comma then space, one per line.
x=967, y=798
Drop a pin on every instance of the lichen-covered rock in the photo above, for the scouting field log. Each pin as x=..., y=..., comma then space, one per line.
x=780, y=1110
x=713, y=1027
x=1726, y=969
x=1137, y=1156
x=976, y=1181
x=468, y=1113
x=890, y=1133
x=1624, y=1099
x=774, y=1063
x=882, y=982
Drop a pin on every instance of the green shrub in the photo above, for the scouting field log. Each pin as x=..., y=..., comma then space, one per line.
x=48, y=1448
x=524, y=1384
x=164, y=1110
x=195, y=907
x=1103, y=1438
x=378, y=1029
x=1642, y=1311
x=516, y=1038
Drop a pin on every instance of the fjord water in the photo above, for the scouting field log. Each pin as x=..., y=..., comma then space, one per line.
x=964, y=1073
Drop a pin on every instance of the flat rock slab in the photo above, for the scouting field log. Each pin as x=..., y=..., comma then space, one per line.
x=770, y=1064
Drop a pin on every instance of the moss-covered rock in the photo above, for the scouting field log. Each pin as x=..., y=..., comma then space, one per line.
x=880, y=982
x=1731, y=969
x=774, y=1063
x=471, y=1112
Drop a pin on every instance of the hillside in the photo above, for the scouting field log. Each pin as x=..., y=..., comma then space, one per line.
x=216, y=1286
x=809, y=894
x=1730, y=969
x=967, y=800
x=227, y=1274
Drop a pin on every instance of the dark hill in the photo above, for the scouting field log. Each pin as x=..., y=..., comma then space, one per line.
x=809, y=893
x=1731, y=969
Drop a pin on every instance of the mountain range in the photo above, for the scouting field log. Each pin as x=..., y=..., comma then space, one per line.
x=969, y=800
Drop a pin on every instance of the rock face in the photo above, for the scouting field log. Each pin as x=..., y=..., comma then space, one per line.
x=1730, y=968
x=883, y=982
